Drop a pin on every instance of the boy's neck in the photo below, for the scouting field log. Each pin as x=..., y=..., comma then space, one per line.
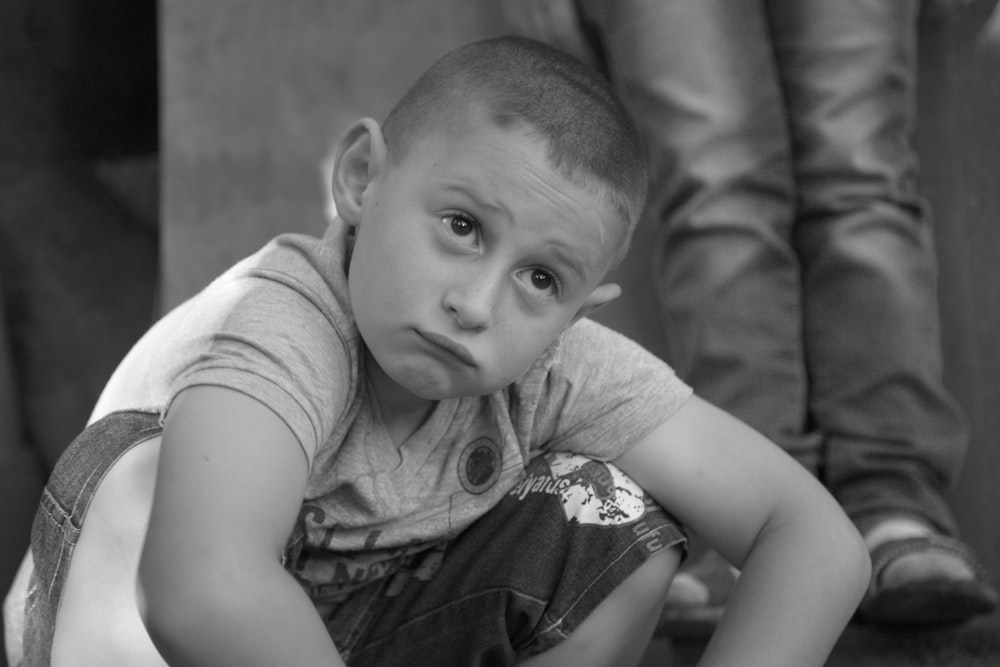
x=402, y=411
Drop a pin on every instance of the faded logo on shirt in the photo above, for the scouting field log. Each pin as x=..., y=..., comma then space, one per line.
x=591, y=492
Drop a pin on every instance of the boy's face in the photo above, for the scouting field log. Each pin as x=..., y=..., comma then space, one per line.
x=472, y=256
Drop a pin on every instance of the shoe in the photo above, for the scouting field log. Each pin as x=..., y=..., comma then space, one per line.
x=930, y=602
x=713, y=578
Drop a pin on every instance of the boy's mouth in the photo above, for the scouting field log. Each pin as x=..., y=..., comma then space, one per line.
x=457, y=350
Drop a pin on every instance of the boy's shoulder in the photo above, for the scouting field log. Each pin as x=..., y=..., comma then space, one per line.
x=276, y=326
x=594, y=391
x=291, y=272
x=592, y=358
x=302, y=260
x=587, y=341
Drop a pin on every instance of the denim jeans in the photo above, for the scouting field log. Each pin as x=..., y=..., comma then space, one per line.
x=795, y=267
x=59, y=519
x=515, y=583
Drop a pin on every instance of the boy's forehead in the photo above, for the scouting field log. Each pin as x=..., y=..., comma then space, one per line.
x=521, y=147
x=473, y=151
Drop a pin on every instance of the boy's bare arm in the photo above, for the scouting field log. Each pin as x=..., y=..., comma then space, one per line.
x=804, y=566
x=230, y=482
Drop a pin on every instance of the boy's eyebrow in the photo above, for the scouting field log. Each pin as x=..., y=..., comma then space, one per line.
x=567, y=258
x=496, y=208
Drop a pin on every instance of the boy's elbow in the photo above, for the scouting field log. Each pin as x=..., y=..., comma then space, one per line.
x=161, y=605
x=174, y=604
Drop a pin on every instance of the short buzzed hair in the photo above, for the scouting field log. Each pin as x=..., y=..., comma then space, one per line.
x=589, y=135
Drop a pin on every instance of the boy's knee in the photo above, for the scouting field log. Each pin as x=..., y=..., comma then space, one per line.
x=651, y=580
x=616, y=630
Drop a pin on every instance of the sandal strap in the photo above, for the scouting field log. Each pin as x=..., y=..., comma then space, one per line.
x=889, y=551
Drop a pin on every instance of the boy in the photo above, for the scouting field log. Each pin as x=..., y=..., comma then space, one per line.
x=404, y=443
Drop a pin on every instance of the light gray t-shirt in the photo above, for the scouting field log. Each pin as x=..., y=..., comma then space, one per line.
x=278, y=327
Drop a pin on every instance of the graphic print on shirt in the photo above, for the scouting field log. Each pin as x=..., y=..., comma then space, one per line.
x=384, y=521
x=341, y=573
x=591, y=492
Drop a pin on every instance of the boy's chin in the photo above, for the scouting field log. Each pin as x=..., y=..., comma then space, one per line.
x=432, y=383
x=444, y=391
x=445, y=394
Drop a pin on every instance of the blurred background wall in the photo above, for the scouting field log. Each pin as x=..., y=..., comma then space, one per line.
x=959, y=143
x=153, y=145
x=79, y=225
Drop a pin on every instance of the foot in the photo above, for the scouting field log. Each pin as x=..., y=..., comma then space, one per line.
x=697, y=596
x=686, y=590
x=920, y=577
x=927, y=565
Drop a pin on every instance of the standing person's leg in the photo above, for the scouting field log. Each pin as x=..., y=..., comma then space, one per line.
x=893, y=436
x=699, y=79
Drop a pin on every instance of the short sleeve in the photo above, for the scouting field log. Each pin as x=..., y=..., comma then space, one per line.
x=277, y=346
x=277, y=327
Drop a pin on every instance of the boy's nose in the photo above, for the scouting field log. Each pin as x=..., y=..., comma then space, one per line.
x=471, y=299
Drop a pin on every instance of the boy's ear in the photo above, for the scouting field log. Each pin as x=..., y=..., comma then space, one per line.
x=358, y=160
x=600, y=297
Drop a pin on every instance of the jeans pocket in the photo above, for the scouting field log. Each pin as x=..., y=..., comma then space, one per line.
x=53, y=536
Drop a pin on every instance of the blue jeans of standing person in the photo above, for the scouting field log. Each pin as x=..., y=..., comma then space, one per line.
x=515, y=583
x=796, y=268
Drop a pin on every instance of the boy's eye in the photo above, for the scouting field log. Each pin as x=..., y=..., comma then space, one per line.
x=462, y=229
x=461, y=226
x=540, y=281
